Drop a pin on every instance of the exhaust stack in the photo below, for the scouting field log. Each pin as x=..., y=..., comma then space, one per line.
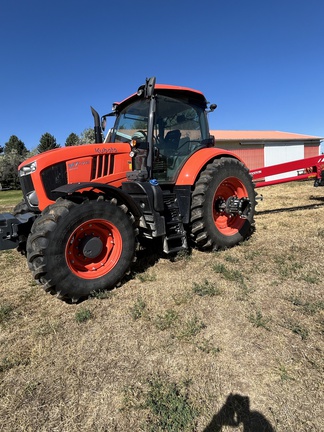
x=97, y=127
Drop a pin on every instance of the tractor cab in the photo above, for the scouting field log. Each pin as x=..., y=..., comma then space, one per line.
x=164, y=125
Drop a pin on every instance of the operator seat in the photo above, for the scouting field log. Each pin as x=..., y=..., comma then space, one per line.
x=171, y=140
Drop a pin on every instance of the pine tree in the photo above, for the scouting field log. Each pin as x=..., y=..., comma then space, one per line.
x=15, y=152
x=47, y=142
x=15, y=144
x=87, y=136
x=9, y=169
x=72, y=140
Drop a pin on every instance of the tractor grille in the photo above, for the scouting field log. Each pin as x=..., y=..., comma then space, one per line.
x=27, y=185
x=102, y=166
x=53, y=177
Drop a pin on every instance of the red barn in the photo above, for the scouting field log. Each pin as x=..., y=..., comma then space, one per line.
x=264, y=148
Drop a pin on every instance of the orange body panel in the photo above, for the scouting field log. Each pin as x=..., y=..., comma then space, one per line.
x=81, y=168
x=108, y=164
x=104, y=163
x=197, y=161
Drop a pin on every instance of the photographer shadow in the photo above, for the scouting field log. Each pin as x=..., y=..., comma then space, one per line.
x=236, y=411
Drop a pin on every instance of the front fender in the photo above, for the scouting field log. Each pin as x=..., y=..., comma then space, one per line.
x=109, y=191
x=197, y=161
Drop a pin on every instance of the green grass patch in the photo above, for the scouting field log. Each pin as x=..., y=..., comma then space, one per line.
x=311, y=277
x=166, y=321
x=191, y=328
x=320, y=233
x=309, y=308
x=102, y=295
x=207, y=347
x=146, y=277
x=7, y=363
x=295, y=299
x=5, y=312
x=312, y=308
x=10, y=197
x=170, y=407
x=230, y=275
x=83, y=315
x=298, y=330
x=284, y=374
x=205, y=288
x=258, y=320
x=231, y=259
x=233, y=276
x=250, y=255
x=287, y=265
x=138, y=310
x=183, y=255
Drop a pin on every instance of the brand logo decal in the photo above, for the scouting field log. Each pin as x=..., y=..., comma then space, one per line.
x=105, y=150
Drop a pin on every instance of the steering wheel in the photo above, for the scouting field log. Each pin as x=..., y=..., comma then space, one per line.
x=140, y=136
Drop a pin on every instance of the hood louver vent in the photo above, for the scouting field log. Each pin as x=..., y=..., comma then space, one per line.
x=102, y=166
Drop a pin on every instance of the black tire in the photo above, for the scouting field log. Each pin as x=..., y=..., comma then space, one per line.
x=210, y=227
x=21, y=208
x=64, y=237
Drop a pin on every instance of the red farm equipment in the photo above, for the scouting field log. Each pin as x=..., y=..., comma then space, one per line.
x=303, y=169
x=156, y=175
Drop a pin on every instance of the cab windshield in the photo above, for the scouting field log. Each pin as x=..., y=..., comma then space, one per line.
x=179, y=129
x=132, y=119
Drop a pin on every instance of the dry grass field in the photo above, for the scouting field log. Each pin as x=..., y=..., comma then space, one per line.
x=227, y=341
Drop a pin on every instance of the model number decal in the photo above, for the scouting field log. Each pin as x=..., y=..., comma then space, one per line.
x=77, y=164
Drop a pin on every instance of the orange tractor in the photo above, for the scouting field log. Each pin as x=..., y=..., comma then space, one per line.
x=156, y=175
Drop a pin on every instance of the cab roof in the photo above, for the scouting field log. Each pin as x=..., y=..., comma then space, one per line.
x=168, y=90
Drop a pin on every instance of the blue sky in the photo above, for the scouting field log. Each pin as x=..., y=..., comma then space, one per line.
x=262, y=62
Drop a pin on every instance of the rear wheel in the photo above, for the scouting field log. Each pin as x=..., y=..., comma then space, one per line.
x=223, y=205
x=76, y=249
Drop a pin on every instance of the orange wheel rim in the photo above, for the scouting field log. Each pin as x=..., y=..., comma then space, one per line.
x=93, y=249
x=228, y=224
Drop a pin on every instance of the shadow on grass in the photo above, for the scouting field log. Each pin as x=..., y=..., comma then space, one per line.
x=149, y=255
x=320, y=203
x=146, y=257
x=236, y=411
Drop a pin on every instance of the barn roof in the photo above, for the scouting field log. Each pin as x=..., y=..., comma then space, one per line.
x=264, y=135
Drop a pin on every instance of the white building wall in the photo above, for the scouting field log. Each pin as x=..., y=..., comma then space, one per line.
x=276, y=153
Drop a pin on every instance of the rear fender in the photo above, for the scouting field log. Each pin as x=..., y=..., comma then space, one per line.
x=110, y=192
x=198, y=161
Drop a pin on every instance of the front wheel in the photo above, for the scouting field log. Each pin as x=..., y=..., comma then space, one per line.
x=76, y=249
x=223, y=205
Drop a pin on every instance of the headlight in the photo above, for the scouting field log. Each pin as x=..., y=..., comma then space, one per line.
x=28, y=169
x=32, y=199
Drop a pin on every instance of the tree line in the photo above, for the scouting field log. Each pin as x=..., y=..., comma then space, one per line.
x=14, y=151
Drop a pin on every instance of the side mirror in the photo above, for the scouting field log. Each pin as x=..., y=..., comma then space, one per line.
x=103, y=122
x=212, y=108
